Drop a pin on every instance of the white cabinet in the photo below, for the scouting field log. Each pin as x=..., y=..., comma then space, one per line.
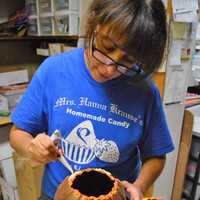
x=53, y=17
x=8, y=182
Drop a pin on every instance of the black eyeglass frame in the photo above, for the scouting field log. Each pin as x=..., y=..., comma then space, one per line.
x=134, y=71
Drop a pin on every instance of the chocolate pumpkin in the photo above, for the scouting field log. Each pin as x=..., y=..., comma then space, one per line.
x=90, y=184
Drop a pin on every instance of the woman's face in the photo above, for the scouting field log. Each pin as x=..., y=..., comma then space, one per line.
x=103, y=55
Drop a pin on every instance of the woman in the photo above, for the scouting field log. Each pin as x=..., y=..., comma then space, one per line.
x=101, y=100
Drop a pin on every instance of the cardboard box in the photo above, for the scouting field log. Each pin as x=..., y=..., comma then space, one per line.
x=13, y=94
x=55, y=48
x=13, y=77
x=31, y=68
x=67, y=48
x=8, y=192
x=29, y=178
x=42, y=52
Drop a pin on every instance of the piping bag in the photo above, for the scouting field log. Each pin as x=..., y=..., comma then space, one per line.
x=56, y=138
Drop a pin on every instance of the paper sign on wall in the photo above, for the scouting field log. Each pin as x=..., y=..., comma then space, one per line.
x=198, y=32
x=185, y=10
x=175, y=84
x=175, y=53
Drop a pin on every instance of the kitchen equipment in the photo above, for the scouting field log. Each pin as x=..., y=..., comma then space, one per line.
x=56, y=138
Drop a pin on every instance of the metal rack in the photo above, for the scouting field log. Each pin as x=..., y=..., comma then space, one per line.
x=194, y=180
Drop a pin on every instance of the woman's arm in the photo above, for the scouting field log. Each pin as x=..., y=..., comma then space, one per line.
x=40, y=149
x=150, y=171
x=19, y=140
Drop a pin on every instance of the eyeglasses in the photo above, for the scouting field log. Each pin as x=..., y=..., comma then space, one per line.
x=103, y=58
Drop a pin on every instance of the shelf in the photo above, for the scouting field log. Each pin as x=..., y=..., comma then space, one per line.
x=196, y=134
x=193, y=158
x=51, y=37
x=4, y=121
x=190, y=178
x=185, y=195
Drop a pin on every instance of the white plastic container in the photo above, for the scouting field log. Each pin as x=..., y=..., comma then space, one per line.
x=32, y=27
x=32, y=7
x=66, y=24
x=66, y=5
x=46, y=26
x=45, y=6
x=53, y=17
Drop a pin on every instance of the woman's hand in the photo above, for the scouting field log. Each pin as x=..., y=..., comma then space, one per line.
x=133, y=190
x=42, y=149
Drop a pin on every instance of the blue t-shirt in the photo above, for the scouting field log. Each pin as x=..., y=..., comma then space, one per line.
x=111, y=125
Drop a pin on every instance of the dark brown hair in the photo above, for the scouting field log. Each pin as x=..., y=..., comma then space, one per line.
x=141, y=22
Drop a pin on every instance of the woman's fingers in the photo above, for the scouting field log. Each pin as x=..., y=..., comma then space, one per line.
x=133, y=192
x=42, y=149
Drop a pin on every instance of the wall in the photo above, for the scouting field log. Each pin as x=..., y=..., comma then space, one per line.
x=9, y=6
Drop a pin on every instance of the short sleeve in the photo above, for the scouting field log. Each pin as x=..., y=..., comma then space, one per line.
x=29, y=114
x=156, y=140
